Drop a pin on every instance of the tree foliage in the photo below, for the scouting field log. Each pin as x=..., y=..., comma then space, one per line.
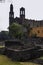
x=16, y=30
x=20, y=31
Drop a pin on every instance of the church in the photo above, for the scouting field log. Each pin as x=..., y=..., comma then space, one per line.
x=22, y=20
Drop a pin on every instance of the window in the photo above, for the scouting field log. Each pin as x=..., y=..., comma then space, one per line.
x=21, y=12
x=38, y=31
x=42, y=30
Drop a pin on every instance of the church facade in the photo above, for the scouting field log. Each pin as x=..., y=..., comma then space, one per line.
x=22, y=19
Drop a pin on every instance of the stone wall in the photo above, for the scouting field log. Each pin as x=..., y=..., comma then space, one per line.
x=28, y=43
x=23, y=55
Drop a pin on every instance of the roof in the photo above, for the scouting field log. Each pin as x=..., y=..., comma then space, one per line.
x=22, y=8
x=11, y=4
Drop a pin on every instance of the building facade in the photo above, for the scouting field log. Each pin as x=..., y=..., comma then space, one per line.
x=22, y=19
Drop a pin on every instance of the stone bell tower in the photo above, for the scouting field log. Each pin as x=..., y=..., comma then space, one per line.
x=11, y=15
x=22, y=13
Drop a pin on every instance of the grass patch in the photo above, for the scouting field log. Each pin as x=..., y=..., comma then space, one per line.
x=6, y=61
x=41, y=58
x=2, y=46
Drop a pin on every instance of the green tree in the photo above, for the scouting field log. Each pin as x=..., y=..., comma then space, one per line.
x=16, y=30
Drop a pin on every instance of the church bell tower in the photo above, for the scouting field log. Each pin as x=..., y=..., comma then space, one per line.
x=22, y=13
x=11, y=15
x=11, y=18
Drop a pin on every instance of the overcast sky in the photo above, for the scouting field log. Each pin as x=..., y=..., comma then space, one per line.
x=34, y=10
